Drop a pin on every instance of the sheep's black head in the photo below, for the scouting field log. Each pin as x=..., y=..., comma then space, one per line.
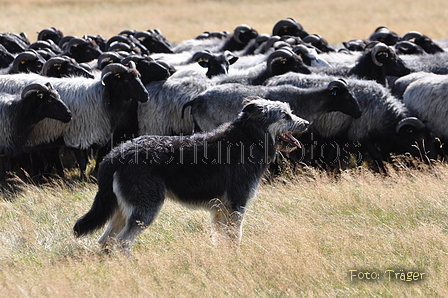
x=283, y=61
x=384, y=35
x=82, y=50
x=244, y=33
x=342, y=99
x=5, y=57
x=50, y=34
x=28, y=61
x=385, y=57
x=123, y=83
x=46, y=103
x=423, y=41
x=319, y=42
x=413, y=136
x=59, y=67
x=153, y=41
x=216, y=64
x=149, y=69
x=289, y=26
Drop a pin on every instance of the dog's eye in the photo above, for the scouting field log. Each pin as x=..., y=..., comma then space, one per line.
x=287, y=117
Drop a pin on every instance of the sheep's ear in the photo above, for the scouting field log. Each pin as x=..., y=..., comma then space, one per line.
x=230, y=57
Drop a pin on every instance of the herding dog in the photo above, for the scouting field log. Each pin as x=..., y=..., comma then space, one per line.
x=219, y=171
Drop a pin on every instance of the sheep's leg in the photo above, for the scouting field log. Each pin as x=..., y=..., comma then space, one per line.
x=81, y=158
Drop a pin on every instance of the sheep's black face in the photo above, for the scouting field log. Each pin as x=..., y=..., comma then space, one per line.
x=344, y=101
x=125, y=86
x=393, y=65
x=282, y=65
x=48, y=105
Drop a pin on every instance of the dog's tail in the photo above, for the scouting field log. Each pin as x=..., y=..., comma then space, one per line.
x=104, y=204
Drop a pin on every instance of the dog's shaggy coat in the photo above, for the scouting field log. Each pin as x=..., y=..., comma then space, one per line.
x=219, y=171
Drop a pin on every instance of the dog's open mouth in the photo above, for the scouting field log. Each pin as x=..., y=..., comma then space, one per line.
x=290, y=139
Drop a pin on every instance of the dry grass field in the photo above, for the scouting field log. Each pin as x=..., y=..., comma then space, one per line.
x=308, y=234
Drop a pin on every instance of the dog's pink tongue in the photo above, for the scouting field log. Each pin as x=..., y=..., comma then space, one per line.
x=293, y=140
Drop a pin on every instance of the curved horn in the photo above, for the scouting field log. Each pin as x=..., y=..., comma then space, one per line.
x=50, y=62
x=25, y=56
x=413, y=121
x=144, y=34
x=40, y=44
x=202, y=55
x=117, y=38
x=74, y=41
x=114, y=57
x=412, y=34
x=132, y=58
x=312, y=38
x=33, y=87
x=238, y=30
x=64, y=40
x=380, y=47
x=112, y=68
x=340, y=83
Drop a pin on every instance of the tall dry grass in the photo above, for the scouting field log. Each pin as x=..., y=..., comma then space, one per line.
x=337, y=21
x=302, y=236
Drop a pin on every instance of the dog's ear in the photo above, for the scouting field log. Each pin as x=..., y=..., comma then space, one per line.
x=251, y=105
x=251, y=108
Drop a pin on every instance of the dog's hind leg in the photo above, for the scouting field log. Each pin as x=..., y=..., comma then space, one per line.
x=116, y=224
x=140, y=201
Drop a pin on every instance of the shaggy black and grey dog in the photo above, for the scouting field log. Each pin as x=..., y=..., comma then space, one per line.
x=219, y=171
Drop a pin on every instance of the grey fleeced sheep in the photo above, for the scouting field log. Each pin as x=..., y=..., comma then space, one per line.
x=20, y=113
x=222, y=103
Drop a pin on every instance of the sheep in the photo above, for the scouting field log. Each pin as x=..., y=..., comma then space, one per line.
x=376, y=63
x=240, y=38
x=289, y=26
x=6, y=58
x=222, y=103
x=384, y=35
x=386, y=125
x=59, y=67
x=80, y=49
x=96, y=104
x=20, y=114
x=426, y=43
x=427, y=97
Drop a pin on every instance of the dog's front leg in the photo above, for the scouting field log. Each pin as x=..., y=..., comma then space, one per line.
x=226, y=225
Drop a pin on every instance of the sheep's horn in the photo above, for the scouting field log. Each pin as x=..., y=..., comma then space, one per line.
x=32, y=87
x=50, y=62
x=412, y=34
x=237, y=32
x=111, y=56
x=380, y=47
x=202, y=55
x=143, y=34
x=112, y=68
x=27, y=55
x=117, y=38
x=312, y=38
x=74, y=41
x=340, y=83
x=413, y=121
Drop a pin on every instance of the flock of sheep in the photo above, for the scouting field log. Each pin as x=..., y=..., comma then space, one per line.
x=366, y=98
